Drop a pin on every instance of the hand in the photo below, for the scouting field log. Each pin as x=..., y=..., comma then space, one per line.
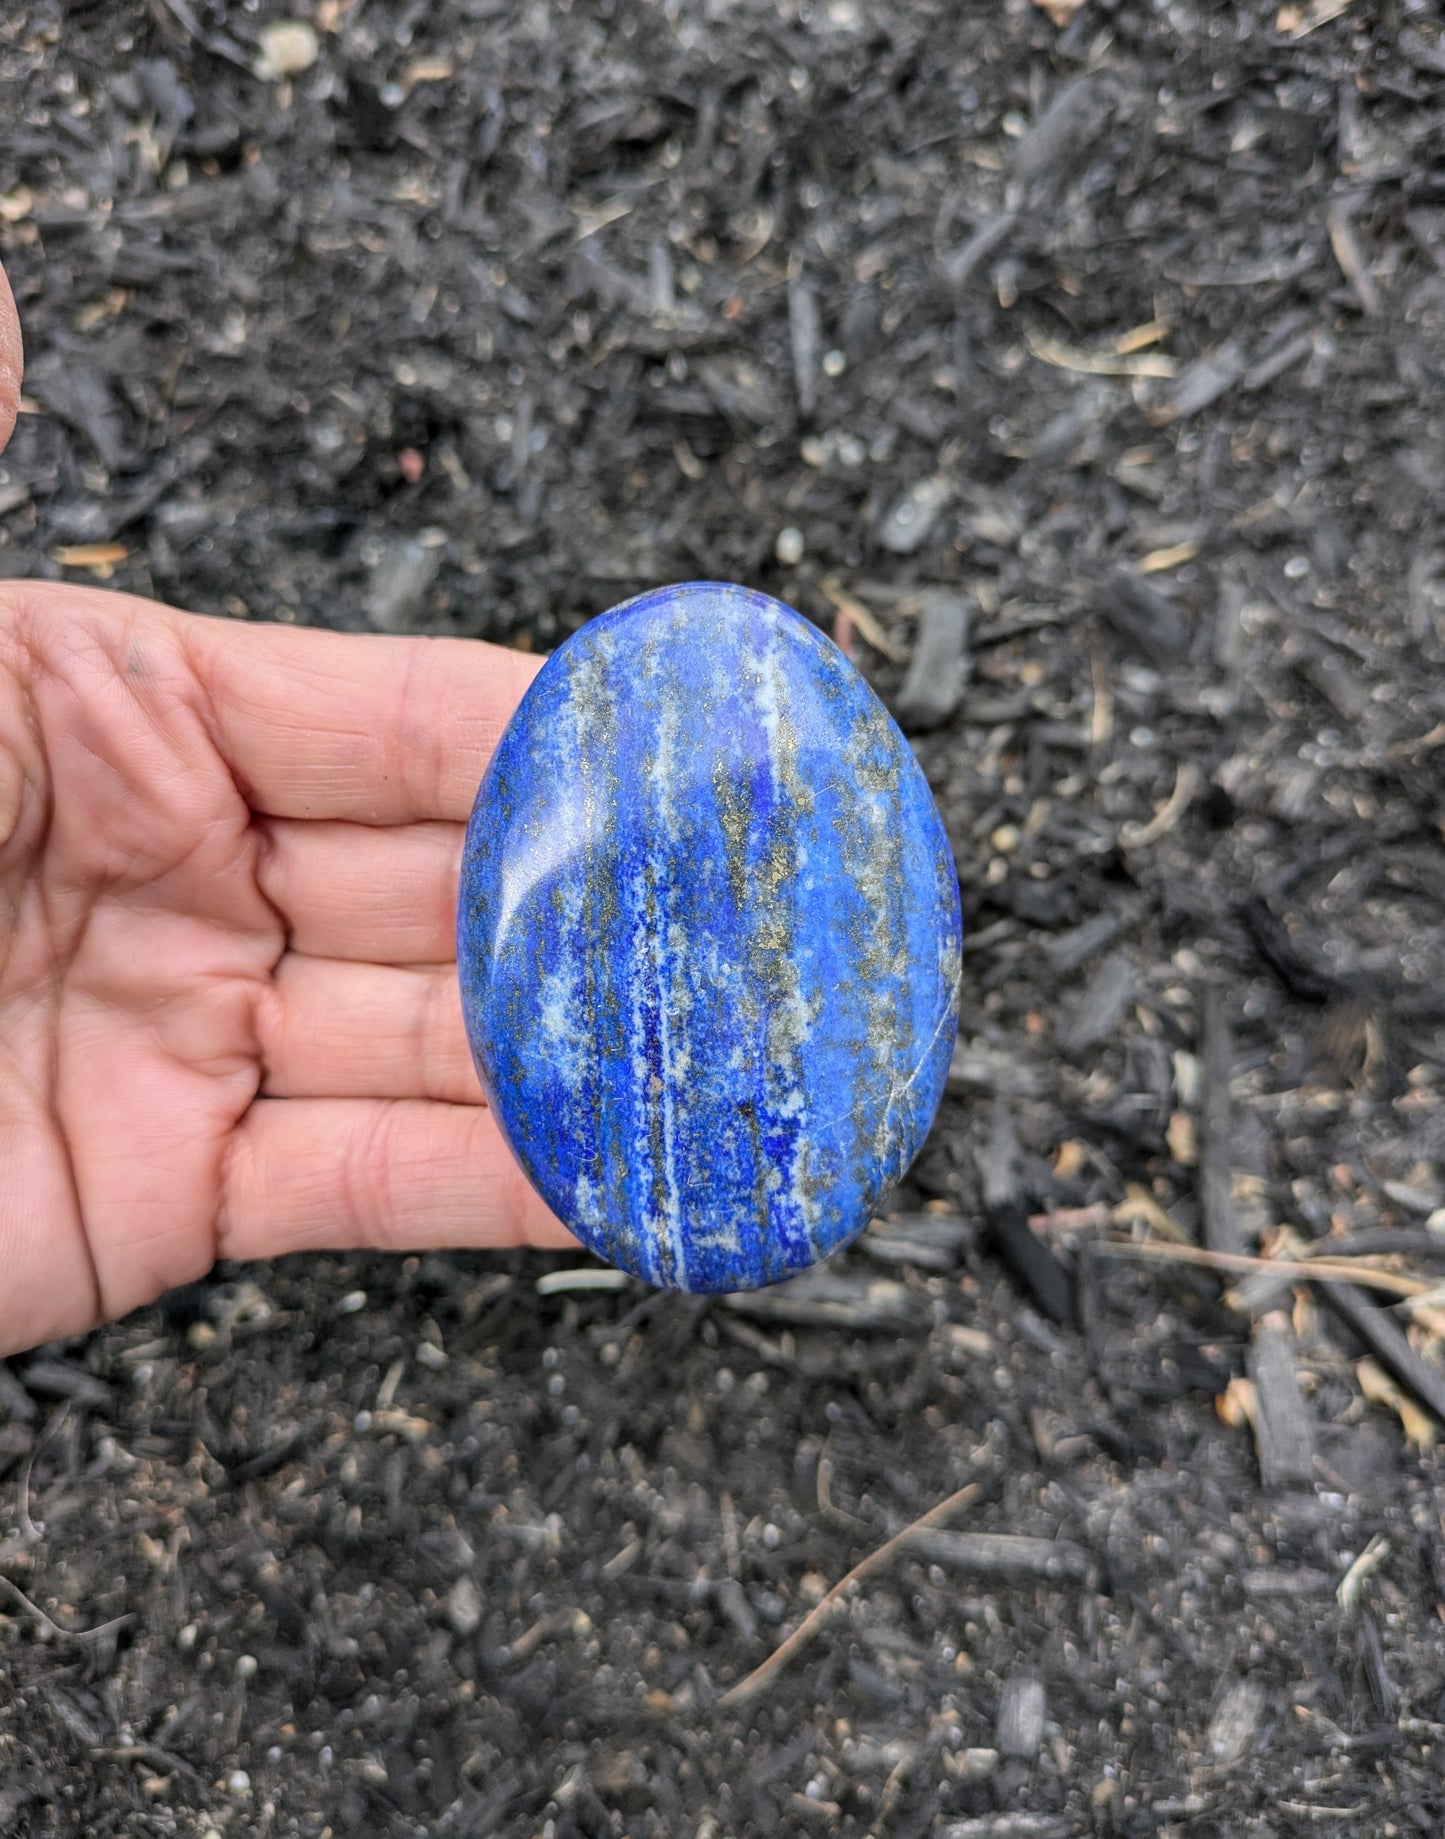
x=229, y=1018
x=229, y=1021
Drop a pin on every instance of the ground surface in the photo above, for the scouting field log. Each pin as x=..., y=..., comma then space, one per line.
x=501, y=312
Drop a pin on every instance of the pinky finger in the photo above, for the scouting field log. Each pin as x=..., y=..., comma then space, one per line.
x=408, y=1175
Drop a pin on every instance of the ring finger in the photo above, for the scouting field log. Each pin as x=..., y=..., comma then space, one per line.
x=337, y=1030
x=372, y=895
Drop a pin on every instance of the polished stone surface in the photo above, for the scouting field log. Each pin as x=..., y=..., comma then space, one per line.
x=709, y=940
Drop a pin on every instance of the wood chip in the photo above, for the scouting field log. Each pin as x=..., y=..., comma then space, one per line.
x=546, y=1628
x=1182, y=1139
x=1159, y=560
x=1204, y=382
x=1139, y=1208
x=864, y=623
x=911, y=519
x=1139, y=338
x=990, y=236
x=1384, y=1336
x=90, y=555
x=1101, y=707
x=428, y=70
x=1022, y=1708
x=583, y=1277
x=1097, y=1010
x=287, y=48
x=1098, y=363
x=1146, y=616
x=1378, y=1387
x=1234, y=1725
x=414, y=1429
x=938, y=672
x=1060, y=12
x=1216, y=1183
x=836, y=1298
x=1187, y=782
x=927, y=1241
x=1004, y=1555
x=1351, y=258
x=1027, y=1258
x=1299, y=21
x=1365, y=1566
x=1236, y=1405
x=804, y=334
x=1007, y=1826
x=1049, y=147
x=1283, y=1428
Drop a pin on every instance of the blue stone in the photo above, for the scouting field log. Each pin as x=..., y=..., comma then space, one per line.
x=709, y=940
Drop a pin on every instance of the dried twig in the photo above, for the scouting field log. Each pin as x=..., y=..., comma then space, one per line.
x=1101, y=714
x=1351, y=258
x=1187, y=782
x=1316, y=1270
x=29, y=1532
x=762, y=1676
x=862, y=620
x=1369, y=1560
x=64, y=1634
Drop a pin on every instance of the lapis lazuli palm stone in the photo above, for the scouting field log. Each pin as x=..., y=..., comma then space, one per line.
x=709, y=940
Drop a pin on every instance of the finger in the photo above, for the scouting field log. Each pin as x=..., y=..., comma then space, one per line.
x=343, y=1174
x=336, y=1030
x=374, y=730
x=317, y=725
x=381, y=896
x=12, y=360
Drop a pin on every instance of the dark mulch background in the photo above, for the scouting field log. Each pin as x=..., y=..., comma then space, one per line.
x=502, y=312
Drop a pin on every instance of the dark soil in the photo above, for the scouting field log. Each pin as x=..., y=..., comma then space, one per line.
x=501, y=312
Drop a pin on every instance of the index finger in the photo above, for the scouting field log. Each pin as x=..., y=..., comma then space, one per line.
x=369, y=729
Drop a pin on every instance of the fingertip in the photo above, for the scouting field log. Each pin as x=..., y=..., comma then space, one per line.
x=401, y=1175
x=12, y=362
x=544, y=1232
x=514, y=1213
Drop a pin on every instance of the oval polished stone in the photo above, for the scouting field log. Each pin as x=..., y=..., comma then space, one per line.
x=708, y=939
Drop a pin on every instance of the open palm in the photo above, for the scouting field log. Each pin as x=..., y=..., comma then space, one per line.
x=228, y=1017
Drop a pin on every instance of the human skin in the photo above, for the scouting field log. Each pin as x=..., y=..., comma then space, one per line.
x=229, y=1025
x=11, y=360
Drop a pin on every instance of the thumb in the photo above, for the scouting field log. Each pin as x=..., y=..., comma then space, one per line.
x=12, y=360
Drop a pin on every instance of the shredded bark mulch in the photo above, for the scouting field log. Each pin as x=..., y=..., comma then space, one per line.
x=1082, y=370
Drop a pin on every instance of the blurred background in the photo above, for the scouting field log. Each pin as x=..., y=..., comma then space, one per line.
x=1081, y=368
